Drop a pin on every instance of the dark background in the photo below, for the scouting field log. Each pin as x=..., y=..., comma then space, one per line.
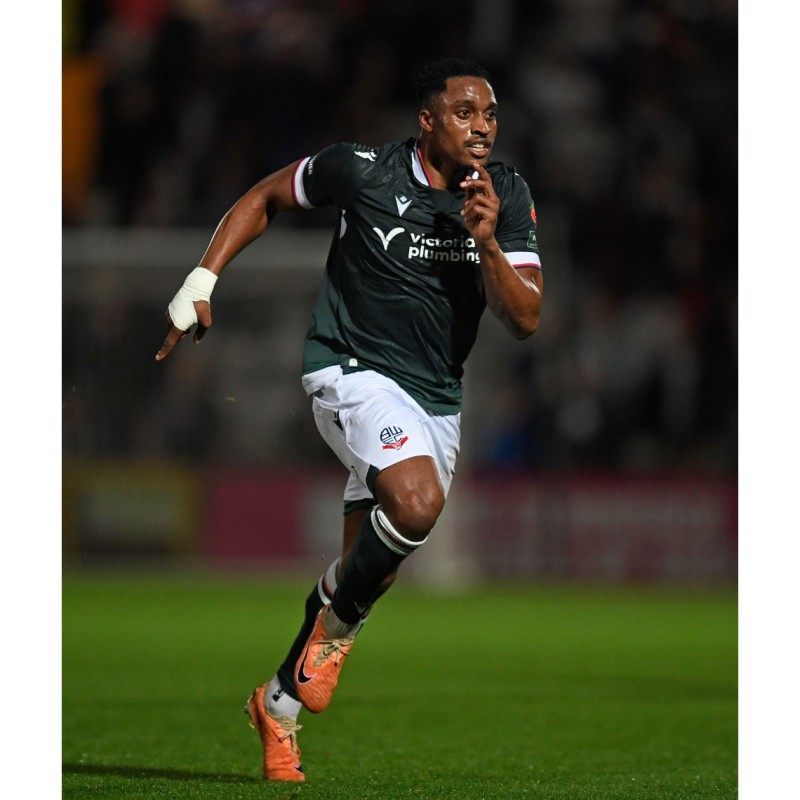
x=621, y=115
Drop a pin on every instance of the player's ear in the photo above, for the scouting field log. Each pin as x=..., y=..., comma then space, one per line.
x=426, y=119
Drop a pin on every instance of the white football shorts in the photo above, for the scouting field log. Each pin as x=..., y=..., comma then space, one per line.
x=371, y=423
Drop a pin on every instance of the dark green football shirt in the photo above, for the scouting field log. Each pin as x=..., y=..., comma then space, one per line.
x=403, y=291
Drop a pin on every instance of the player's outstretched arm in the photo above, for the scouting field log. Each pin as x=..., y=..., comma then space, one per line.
x=514, y=296
x=245, y=222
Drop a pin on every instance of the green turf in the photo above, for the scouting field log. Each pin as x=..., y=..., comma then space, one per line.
x=506, y=692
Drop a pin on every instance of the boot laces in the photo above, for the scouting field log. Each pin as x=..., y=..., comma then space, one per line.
x=332, y=648
x=289, y=727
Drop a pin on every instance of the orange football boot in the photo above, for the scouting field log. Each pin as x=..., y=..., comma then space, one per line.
x=317, y=671
x=278, y=735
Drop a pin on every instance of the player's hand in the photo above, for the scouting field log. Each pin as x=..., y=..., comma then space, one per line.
x=202, y=310
x=481, y=204
x=190, y=306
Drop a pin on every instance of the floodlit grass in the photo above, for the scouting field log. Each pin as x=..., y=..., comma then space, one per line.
x=503, y=692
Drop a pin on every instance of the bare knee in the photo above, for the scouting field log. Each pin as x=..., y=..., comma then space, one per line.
x=411, y=496
x=413, y=511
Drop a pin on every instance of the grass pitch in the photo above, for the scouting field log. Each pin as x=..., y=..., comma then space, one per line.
x=503, y=692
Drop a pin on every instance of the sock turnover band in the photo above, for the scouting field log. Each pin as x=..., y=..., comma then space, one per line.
x=388, y=534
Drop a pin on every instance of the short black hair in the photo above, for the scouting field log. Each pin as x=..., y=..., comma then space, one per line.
x=432, y=78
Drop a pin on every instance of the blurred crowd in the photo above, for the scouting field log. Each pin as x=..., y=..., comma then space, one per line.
x=621, y=115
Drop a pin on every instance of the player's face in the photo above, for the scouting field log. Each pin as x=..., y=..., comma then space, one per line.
x=462, y=125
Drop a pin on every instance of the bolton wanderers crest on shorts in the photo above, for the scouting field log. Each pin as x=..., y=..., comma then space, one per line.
x=393, y=438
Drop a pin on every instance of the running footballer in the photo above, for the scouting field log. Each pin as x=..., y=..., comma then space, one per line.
x=430, y=233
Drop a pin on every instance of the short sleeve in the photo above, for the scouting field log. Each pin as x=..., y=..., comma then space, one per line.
x=332, y=176
x=516, y=229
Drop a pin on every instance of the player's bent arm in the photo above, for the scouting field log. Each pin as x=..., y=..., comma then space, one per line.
x=249, y=218
x=245, y=222
x=514, y=296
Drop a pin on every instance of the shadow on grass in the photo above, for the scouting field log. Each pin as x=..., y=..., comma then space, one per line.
x=150, y=772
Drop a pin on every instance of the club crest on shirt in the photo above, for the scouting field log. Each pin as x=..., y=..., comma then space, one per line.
x=393, y=438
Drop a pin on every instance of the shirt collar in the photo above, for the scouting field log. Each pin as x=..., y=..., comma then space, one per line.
x=418, y=166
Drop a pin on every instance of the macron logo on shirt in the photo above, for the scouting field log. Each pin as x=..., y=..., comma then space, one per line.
x=402, y=203
x=370, y=156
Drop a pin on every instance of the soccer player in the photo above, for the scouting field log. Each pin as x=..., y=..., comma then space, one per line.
x=430, y=232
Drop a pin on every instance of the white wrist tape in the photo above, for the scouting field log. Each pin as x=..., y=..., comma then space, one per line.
x=198, y=285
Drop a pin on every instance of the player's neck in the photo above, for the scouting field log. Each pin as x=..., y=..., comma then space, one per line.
x=441, y=172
